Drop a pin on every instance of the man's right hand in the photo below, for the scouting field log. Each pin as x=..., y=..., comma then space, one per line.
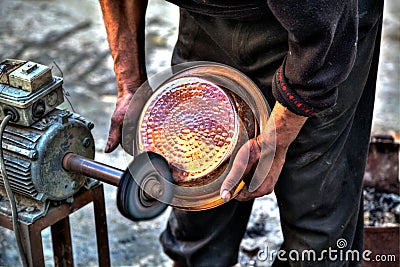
x=117, y=119
x=125, y=22
x=125, y=118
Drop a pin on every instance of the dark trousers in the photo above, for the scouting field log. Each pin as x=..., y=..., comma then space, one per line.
x=319, y=191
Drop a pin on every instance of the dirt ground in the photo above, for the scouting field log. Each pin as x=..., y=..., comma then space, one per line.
x=71, y=33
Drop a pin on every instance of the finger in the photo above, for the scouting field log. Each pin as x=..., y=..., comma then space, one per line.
x=114, y=136
x=132, y=116
x=267, y=143
x=263, y=167
x=128, y=134
x=236, y=173
x=246, y=195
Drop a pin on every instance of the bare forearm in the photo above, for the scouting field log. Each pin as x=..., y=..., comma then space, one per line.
x=287, y=125
x=125, y=25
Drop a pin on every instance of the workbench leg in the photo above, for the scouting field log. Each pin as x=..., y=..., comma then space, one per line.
x=32, y=243
x=101, y=227
x=62, y=245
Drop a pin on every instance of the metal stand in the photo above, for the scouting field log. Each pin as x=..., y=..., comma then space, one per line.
x=58, y=219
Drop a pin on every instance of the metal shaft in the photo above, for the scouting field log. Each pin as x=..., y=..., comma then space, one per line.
x=91, y=168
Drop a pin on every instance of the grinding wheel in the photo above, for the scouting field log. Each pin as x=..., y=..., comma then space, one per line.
x=145, y=188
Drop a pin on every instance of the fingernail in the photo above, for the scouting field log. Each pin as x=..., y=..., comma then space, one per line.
x=226, y=196
x=107, y=148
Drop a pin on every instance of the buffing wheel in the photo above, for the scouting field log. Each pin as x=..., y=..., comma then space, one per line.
x=145, y=188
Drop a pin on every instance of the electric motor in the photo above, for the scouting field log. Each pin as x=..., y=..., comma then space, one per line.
x=39, y=135
x=33, y=155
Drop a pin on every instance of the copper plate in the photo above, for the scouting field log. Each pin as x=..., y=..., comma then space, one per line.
x=191, y=122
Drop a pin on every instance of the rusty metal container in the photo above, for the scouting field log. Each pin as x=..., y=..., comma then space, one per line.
x=382, y=173
x=384, y=244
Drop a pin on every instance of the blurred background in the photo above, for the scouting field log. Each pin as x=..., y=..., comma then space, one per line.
x=71, y=33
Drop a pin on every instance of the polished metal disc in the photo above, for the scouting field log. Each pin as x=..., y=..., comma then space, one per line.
x=196, y=116
x=192, y=123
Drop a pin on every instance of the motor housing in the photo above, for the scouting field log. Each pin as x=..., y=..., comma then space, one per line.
x=37, y=138
x=33, y=155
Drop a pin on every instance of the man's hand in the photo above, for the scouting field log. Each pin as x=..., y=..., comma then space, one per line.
x=117, y=119
x=125, y=21
x=126, y=115
x=260, y=152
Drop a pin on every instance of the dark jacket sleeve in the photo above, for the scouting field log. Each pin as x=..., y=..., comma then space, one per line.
x=322, y=47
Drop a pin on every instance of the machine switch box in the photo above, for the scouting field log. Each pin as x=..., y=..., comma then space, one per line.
x=28, y=91
x=30, y=77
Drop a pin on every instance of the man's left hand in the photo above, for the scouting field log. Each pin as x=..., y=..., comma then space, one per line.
x=265, y=155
